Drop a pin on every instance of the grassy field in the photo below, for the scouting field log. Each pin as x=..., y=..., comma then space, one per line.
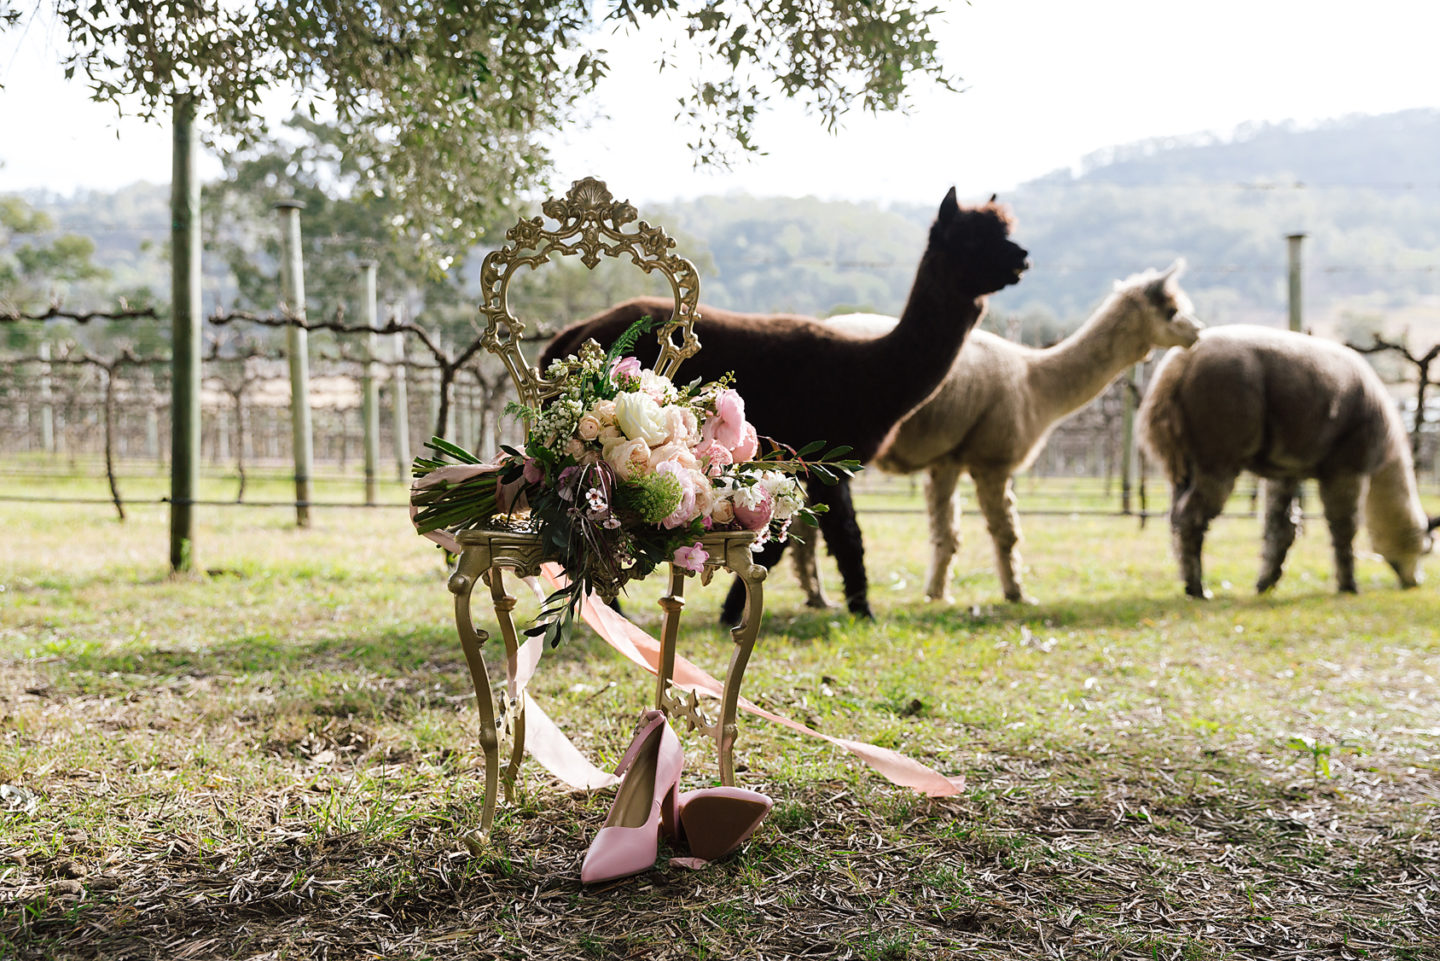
x=277, y=759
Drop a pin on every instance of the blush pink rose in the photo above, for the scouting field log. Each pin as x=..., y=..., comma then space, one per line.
x=588, y=427
x=625, y=367
x=722, y=511
x=679, y=453
x=629, y=458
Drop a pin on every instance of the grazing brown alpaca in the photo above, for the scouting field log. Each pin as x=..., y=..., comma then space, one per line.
x=1286, y=407
x=803, y=381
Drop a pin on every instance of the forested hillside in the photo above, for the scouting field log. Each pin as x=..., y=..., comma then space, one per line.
x=1364, y=190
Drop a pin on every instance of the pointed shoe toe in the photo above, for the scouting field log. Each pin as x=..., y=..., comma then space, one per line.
x=715, y=821
x=619, y=852
x=630, y=839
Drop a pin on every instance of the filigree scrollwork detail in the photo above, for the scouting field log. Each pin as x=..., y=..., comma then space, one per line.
x=678, y=703
x=589, y=224
x=507, y=712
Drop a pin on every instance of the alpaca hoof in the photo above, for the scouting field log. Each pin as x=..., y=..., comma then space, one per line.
x=1265, y=584
x=861, y=610
x=727, y=619
x=1349, y=588
x=940, y=598
x=819, y=603
x=1198, y=593
x=1020, y=597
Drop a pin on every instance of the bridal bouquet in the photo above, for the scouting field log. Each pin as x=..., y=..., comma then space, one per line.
x=624, y=470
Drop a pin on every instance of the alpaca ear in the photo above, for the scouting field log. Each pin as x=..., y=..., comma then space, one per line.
x=949, y=207
x=1175, y=269
x=994, y=198
x=1434, y=522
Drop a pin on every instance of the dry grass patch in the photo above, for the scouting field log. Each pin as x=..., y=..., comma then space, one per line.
x=277, y=760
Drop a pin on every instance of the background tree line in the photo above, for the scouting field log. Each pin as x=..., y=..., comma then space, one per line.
x=1362, y=189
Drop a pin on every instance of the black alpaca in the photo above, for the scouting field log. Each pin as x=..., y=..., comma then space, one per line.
x=804, y=381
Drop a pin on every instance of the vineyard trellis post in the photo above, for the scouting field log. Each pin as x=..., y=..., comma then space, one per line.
x=1129, y=393
x=401, y=402
x=370, y=384
x=185, y=334
x=292, y=281
x=47, y=403
x=1296, y=316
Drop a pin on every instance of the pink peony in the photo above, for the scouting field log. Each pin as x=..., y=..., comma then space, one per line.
x=727, y=425
x=691, y=558
x=749, y=444
x=755, y=518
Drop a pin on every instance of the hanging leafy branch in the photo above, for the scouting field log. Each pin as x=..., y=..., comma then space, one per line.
x=445, y=108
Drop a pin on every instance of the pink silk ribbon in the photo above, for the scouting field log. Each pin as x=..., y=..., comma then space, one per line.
x=555, y=752
x=640, y=648
x=544, y=741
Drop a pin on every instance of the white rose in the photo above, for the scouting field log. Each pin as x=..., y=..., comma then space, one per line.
x=639, y=417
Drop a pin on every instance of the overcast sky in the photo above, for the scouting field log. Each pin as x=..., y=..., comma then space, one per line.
x=1046, y=82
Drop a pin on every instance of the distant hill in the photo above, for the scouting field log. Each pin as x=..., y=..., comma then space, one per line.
x=1365, y=190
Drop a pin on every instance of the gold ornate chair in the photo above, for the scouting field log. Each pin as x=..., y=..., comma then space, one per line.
x=590, y=224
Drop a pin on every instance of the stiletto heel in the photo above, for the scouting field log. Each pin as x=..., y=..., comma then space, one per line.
x=716, y=820
x=650, y=775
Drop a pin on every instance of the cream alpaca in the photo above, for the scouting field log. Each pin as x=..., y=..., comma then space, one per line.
x=992, y=413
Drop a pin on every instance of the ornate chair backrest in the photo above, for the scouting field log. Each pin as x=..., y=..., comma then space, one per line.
x=589, y=225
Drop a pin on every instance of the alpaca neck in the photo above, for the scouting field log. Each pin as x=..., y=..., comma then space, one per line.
x=1393, y=512
x=909, y=362
x=1070, y=374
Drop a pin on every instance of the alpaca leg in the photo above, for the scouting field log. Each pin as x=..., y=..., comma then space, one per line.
x=997, y=503
x=842, y=537
x=1282, y=515
x=1340, y=497
x=1194, y=507
x=944, y=512
x=807, y=567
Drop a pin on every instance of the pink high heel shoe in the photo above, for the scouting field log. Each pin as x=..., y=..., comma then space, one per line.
x=716, y=820
x=645, y=801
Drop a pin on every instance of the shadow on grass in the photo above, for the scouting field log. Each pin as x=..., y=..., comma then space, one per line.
x=400, y=650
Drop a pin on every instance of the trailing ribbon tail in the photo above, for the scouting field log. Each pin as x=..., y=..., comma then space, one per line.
x=640, y=648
